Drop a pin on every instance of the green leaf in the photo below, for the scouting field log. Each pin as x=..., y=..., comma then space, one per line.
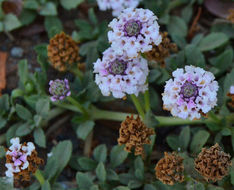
x=83, y=180
x=62, y=154
x=194, y=56
x=121, y=188
x=46, y=186
x=117, y=155
x=212, y=41
x=173, y=142
x=150, y=120
x=199, y=140
x=92, y=16
x=23, y=112
x=11, y=132
x=70, y=4
x=100, y=153
x=5, y=183
x=23, y=71
x=84, y=129
x=39, y=137
x=184, y=138
x=2, y=152
x=87, y=163
x=94, y=187
x=101, y=172
x=134, y=184
x=112, y=175
x=149, y=187
x=50, y=168
x=53, y=25
x=49, y=9
x=229, y=80
x=232, y=172
x=224, y=60
x=11, y=22
x=43, y=107
x=27, y=16
x=23, y=130
x=4, y=103
x=177, y=26
x=31, y=4
x=3, y=122
x=154, y=75
x=89, y=50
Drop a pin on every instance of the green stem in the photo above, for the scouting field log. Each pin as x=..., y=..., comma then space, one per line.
x=138, y=105
x=39, y=177
x=77, y=104
x=163, y=121
x=77, y=72
x=147, y=101
x=88, y=144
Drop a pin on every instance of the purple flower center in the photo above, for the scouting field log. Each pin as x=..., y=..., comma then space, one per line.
x=117, y=67
x=132, y=28
x=189, y=91
x=58, y=88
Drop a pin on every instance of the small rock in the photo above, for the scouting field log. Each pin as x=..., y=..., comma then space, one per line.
x=17, y=52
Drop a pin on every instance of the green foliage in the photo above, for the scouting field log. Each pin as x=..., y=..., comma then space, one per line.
x=117, y=155
x=70, y=4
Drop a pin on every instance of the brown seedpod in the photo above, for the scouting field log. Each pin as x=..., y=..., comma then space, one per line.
x=63, y=52
x=162, y=51
x=170, y=168
x=212, y=163
x=230, y=16
x=133, y=133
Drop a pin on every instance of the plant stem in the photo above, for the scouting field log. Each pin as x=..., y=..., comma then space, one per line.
x=88, y=144
x=138, y=105
x=39, y=177
x=163, y=121
x=77, y=104
x=147, y=101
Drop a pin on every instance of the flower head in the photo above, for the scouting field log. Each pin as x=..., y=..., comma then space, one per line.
x=231, y=95
x=170, y=169
x=63, y=52
x=21, y=160
x=59, y=89
x=134, y=31
x=117, y=5
x=192, y=92
x=134, y=133
x=119, y=75
x=212, y=163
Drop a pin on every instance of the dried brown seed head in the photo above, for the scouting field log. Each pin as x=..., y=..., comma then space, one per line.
x=170, y=168
x=63, y=52
x=230, y=16
x=231, y=103
x=212, y=163
x=134, y=134
x=162, y=51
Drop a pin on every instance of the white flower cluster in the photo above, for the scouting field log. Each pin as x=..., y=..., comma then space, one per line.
x=192, y=91
x=117, y=5
x=119, y=75
x=134, y=31
x=18, y=154
x=232, y=89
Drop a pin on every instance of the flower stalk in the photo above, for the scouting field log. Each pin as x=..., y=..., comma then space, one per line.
x=77, y=104
x=38, y=175
x=138, y=106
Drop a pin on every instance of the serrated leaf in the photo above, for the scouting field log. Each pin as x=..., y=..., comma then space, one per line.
x=39, y=137
x=101, y=172
x=100, y=153
x=118, y=155
x=212, y=41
